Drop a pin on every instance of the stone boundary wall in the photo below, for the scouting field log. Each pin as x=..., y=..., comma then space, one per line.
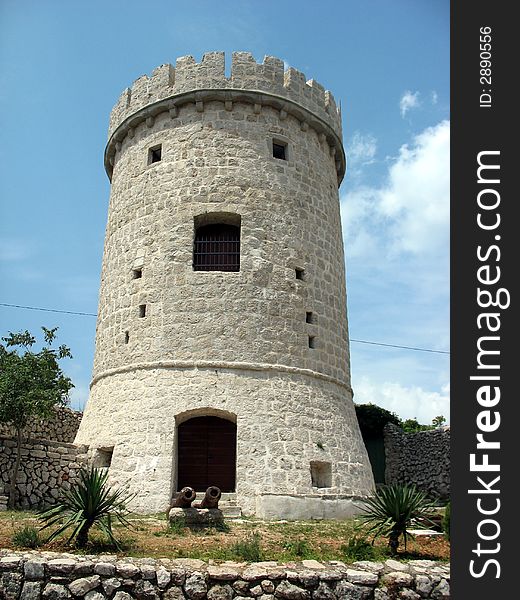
x=46, y=468
x=421, y=459
x=46, y=575
x=61, y=428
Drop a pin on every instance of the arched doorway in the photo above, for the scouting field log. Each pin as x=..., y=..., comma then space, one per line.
x=206, y=452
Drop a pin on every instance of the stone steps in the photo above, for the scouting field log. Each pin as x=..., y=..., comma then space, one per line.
x=227, y=504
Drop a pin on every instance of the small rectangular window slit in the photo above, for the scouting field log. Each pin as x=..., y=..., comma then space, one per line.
x=155, y=154
x=127, y=337
x=321, y=474
x=312, y=341
x=299, y=273
x=137, y=273
x=279, y=150
x=142, y=310
x=309, y=317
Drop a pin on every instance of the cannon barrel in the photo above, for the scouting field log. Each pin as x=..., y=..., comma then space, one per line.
x=185, y=497
x=211, y=497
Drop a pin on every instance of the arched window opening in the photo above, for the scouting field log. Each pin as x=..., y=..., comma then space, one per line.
x=217, y=247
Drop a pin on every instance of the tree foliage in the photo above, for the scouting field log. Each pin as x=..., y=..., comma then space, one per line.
x=31, y=384
x=372, y=419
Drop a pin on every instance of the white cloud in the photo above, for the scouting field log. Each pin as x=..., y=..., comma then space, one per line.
x=360, y=151
x=417, y=193
x=410, y=212
x=79, y=396
x=435, y=97
x=408, y=101
x=406, y=402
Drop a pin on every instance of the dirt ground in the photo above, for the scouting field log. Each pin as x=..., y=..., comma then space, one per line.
x=283, y=541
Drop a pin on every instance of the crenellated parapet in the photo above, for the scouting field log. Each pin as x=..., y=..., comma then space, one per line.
x=266, y=83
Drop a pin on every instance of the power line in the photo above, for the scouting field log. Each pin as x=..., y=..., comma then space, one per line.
x=84, y=314
x=404, y=347
x=53, y=310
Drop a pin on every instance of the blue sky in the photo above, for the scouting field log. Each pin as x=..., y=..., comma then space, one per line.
x=63, y=65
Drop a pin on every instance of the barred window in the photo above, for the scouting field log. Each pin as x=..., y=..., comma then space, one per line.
x=217, y=248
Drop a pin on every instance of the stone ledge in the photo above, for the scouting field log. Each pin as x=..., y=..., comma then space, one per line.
x=38, y=575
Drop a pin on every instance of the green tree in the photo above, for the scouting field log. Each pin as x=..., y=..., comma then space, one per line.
x=31, y=385
x=438, y=421
x=372, y=419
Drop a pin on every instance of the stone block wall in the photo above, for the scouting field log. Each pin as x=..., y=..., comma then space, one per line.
x=421, y=459
x=46, y=468
x=61, y=428
x=32, y=575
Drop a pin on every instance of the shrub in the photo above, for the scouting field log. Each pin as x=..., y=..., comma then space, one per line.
x=446, y=521
x=248, y=549
x=27, y=537
x=391, y=512
x=89, y=502
x=358, y=548
x=299, y=548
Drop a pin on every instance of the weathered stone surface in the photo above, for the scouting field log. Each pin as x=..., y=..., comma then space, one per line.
x=268, y=586
x=441, y=590
x=323, y=592
x=61, y=566
x=34, y=569
x=423, y=585
x=195, y=586
x=10, y=586
x=55, y=591
x=217, y=162
x=31, y=590
x=362, y=577
x=397, y=579
x=174, y=593
x=222, y=572
x=163, y=577
x=241, y=587
x=127, y=570
x=94, y=595
x=345, y=589
x=421, y=459
x=104, y=568
x=145, y=590
x=291, y=592
x=79, y=587
x=220, y=592
x=111, y=585
x=123, y=596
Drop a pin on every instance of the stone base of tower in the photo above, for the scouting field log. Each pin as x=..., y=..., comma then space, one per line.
x=292, y=508
x=299, y=452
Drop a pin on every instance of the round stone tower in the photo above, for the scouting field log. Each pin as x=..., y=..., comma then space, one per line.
x=222, y=351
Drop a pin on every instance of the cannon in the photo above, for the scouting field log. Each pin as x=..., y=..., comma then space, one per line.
x=211, y=498
x=185, y=497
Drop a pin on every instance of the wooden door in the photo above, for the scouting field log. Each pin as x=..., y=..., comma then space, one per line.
x=207, y=454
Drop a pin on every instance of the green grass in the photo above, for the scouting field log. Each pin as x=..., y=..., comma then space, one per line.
x=27, y=537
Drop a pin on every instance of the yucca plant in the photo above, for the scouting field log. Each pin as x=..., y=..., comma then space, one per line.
x=391, y=512
x=89, y=502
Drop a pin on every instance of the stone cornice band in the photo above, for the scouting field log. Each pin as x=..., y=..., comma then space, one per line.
x=255, y=97
x=227, y=365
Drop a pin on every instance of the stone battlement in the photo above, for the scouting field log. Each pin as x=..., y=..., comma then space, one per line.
x=268, y=77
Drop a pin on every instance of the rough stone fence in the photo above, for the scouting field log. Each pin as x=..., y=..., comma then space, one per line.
x=421, y=459
x=61, y=428
x=46, y=575
x=46, y=468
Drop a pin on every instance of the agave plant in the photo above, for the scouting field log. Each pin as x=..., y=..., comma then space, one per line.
x=89, y=502
x=391, y=512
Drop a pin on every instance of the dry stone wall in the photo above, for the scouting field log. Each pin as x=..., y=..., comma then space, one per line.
x=421, y=459
x=45, y=575
x=60, y=428
x=45, y=469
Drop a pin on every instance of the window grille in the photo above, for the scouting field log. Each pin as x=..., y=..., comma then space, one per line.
x=217, y=248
